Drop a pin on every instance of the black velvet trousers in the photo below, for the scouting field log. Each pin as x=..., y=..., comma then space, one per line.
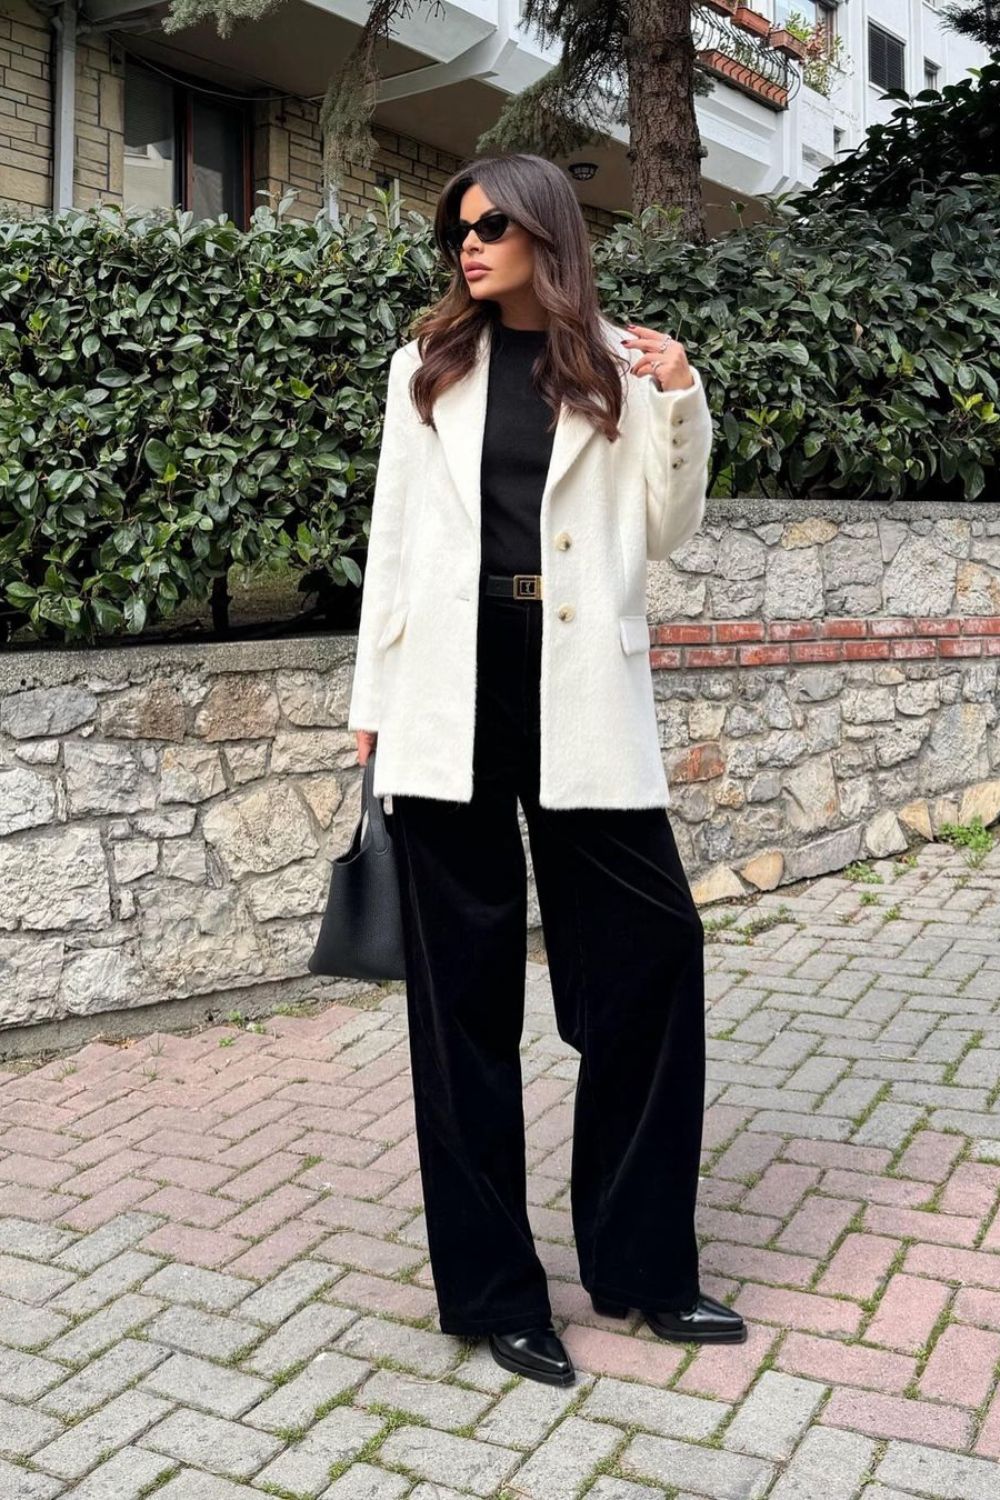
x=624, y=943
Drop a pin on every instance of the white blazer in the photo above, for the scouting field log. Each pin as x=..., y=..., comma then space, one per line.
x=606, y=508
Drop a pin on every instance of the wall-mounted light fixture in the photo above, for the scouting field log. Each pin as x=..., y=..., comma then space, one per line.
x=582, y=170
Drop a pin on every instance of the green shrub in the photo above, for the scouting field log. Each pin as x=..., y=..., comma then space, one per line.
x=929, y=141
x=177, y=397
x=847, y=353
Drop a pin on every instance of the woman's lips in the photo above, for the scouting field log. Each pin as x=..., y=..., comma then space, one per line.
x=476, y=272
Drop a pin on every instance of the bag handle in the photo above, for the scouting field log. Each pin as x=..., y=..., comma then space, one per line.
x=373, y=810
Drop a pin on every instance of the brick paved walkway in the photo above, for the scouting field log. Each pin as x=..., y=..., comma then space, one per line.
x=214, y=1283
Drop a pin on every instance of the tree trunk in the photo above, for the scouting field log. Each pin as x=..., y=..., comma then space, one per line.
x=665, y=148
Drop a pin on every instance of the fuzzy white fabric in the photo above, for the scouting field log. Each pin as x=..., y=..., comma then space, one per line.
x=619, y=503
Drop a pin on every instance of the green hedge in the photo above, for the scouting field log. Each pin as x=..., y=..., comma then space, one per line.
x=845, y=353
x=932, y=137
x=176, y=397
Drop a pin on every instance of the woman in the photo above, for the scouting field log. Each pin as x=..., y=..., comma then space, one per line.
x=534, y=456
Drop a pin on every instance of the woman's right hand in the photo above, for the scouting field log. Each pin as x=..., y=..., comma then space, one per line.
x=367, y=739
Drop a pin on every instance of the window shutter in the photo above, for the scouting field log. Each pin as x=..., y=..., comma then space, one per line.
x=886, y=56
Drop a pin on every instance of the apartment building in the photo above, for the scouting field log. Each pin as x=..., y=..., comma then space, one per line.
x=97, y=103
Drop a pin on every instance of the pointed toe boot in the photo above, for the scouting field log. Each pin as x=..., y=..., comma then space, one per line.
x=536, y=1353
x=707, y=1321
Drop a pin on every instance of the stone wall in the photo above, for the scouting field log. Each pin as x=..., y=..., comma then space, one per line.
x=826, y=690
x=827, y=684
x=167, y=818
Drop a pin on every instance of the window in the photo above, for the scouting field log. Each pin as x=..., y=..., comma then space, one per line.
x=150, y=144
x=826, y=17
x=814, y=12
x=185, y=148
x=782, y=9
x=885, y=59
x=931, y=75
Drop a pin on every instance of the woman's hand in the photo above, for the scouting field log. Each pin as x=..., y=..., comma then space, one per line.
x=668, y=367
x=366, y=744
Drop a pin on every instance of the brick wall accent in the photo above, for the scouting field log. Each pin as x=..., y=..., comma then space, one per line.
x=768, y=643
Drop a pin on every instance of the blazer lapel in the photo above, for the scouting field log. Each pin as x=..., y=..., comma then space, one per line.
x=460, y=419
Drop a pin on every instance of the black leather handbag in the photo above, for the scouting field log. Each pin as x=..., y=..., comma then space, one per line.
x=361, y=935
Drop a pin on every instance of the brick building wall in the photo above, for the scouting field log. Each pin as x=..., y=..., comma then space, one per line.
x=25, y=108
x=288, y=156
x=26, y=123
x=100, y=122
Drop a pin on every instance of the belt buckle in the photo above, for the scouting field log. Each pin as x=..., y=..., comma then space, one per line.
x=527, y=585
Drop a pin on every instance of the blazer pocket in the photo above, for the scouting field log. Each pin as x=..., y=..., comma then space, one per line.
x=634, y=630
x=393, y=626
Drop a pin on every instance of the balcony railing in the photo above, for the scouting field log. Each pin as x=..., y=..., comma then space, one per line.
x=737, y=44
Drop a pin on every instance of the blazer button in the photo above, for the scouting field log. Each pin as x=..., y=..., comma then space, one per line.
x=563, y=540
x=566, y=611
x=677, y=463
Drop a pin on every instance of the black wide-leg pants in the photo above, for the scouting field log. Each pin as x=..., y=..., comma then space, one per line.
x=624, y=943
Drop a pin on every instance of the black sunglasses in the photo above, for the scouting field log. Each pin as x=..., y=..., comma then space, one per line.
x=492, y=226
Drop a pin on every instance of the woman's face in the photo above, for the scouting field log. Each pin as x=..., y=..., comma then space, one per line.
x=510, y=260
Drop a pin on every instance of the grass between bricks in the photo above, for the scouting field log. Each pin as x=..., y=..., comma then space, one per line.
x=975, y=1040
x=973, y=837
x=394, y=1419
x=909, y=1136
x=163, y=1478
x=870, y=1305
x=879, y=1097
x=745, y=934
x=869, y=1475
x=610, y=1467
x=944, y=1318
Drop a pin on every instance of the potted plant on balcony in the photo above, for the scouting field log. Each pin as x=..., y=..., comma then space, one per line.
x=740, y=65
x=751, y=20
x=786, y=41
x=823, y=56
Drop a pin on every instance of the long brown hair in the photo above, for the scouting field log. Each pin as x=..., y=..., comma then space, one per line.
x=578, y=365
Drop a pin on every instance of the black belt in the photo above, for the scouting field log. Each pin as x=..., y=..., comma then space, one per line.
x=514, y=585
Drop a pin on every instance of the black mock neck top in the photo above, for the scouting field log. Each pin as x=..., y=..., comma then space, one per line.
x=516, y=452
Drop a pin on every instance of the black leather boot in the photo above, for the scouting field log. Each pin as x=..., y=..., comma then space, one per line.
x=537, y=1353
x=706, y=1322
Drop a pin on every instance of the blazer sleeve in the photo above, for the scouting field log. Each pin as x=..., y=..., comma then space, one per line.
x=678, y=447
x=385, y=535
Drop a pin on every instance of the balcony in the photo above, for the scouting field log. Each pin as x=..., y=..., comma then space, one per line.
x=742, y=47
